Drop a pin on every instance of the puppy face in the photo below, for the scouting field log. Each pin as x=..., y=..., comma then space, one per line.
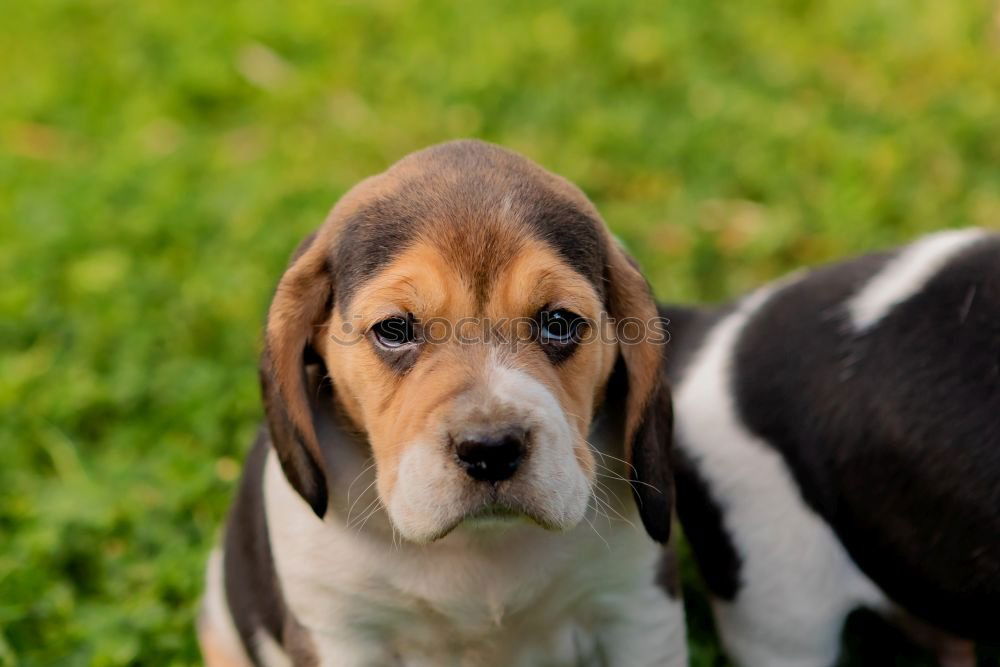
x=474, y=403
x=464, y=306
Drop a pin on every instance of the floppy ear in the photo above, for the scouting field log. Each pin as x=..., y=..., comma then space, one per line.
x=302, y=301
x=648, y=408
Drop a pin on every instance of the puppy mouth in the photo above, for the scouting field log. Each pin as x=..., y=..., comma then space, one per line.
x=492, y=515
x=496, y=514
x=492, y=512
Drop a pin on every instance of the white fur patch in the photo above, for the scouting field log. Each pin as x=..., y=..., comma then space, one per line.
x=432, y=493
x=907, y=274
x=798, y=583
x=514, y=596
x=554, y=475
x=270, y=652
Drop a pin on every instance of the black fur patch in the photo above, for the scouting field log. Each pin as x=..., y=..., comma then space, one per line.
x=372, y=238
x=650, y=471
x=572, y=233
x=303, y=472
x=252, y=590
x=716, y=557
x=686, y=328
x=650, y=474
x=668, y=576
x=892, y=434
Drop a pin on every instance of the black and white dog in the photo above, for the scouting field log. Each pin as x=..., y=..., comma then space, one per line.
x=838, y=438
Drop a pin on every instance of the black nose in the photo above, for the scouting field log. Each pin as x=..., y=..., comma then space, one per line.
x=491, y=459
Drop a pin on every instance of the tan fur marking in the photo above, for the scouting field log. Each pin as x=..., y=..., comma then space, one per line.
x=425, y=281
x=629, y=296
x=214, y=652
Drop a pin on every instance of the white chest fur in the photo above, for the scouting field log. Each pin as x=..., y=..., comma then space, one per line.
x=797, y=581
x=514, y=595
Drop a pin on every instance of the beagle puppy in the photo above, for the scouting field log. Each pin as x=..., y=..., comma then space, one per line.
x=838, y=446
x=457, y=423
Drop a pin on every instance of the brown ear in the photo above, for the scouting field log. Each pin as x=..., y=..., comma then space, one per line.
x=302, y=301
x=648, y=409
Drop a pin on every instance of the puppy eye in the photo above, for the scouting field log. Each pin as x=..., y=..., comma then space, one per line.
x=394, y=332
x=559, y=328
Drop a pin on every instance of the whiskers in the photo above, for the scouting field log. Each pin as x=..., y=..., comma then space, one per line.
x=591, y=523
x=603, y=501
x=608, y=504
x=610, y=473
x=360, y=495
x=374, y=506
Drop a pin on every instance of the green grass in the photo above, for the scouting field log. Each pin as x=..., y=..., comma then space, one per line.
x=159, y=161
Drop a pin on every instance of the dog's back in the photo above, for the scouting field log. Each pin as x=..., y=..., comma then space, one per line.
x=865, y=397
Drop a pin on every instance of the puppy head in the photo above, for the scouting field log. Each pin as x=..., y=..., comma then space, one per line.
x=468, y=309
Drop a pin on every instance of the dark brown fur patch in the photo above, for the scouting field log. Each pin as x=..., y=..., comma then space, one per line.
x=668, y=575
x=474, y=201
x=253, y=593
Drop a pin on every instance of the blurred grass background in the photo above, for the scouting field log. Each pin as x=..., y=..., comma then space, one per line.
x=159, y=161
